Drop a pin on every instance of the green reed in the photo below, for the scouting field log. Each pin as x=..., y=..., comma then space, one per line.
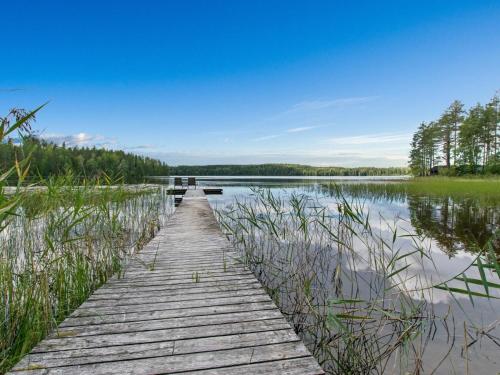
x=483, y=189
x=61, y=244
x=60, y=239
x=346, y=288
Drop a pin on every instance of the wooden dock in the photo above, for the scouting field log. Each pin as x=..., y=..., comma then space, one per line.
x=184, y=305
x=206, y=190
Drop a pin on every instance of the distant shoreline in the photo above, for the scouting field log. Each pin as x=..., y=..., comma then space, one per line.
x=293, y=178
x=285, y=170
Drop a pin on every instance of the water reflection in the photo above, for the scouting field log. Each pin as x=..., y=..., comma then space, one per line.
x=454, y=223
x=454, y=228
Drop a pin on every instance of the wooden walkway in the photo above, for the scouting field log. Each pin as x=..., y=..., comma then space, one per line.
x=184, y=306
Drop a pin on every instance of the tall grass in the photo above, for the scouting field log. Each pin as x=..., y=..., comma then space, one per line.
x=350, y=292
x=483, y=189
x=60, y=246
x=61, y=241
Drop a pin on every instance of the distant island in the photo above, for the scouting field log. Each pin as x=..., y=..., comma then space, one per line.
x=282, y=170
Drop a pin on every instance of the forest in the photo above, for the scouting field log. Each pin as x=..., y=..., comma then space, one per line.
x=282, y=170
x=459, y=142
x=49, y=159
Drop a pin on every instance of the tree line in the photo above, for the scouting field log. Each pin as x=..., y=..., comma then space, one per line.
x=282, y=170
x=459, y=142
x=49, y=159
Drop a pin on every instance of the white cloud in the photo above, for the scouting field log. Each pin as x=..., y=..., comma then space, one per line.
x=332, y=103
x=140, y=147
x=291, y=130
x=80, y=140
x=372, y=139
x=378, y=150
x=319, y=157
x=304, y=108
x=266, y=137
x=301, y=129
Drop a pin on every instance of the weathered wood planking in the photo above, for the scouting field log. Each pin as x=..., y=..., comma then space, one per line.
x=184, y=305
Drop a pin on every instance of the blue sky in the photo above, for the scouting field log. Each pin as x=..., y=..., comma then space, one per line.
x=204, y=82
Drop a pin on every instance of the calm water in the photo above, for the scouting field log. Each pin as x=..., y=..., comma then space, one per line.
x=454, y=229
x=455, y=226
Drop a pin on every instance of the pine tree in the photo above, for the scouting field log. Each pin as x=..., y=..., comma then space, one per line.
x=455, y=116
x=470, y=139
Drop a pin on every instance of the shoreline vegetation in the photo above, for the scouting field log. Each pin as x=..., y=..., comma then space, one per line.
x=49, y=160
x=351, y=293
x=61, y=238
x=478, y=187
x=64, y=236
x=277, y=169
x=459, y=142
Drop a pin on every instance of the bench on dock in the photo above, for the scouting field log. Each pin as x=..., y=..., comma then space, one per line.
x=183, y=304
x=191, y=182
x=178, y=181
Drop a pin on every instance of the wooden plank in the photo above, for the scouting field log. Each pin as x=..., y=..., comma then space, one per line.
x=167, y=269
x=185, y=285
x=101, y=341
x=184, y=304
x=187, y=280
x=171, y=298
x=263, y=297
x=186, y=362
x=295, y=366
x=74, y=357
x=165, y=314
x=215, y=275
x=190, y=289
x=181, y=279
x=173, y=322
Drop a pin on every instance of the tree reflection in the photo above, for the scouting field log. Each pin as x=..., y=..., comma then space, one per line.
x=454, y=223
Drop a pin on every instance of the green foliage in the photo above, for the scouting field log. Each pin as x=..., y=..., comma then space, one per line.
x=360, y=297
x=307, y=257
x=61, y=239
x=282, y=170
x=480, y=188
x=424, y=151
x=459, y=142
x=48, y=159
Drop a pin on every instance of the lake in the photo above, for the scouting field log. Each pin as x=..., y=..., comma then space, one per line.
x=452, y=229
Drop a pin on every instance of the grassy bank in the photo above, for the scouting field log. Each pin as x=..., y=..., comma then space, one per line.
x=484, y=189
x=463, y=186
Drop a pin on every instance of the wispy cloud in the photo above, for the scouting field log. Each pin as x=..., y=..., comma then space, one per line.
x=266, y=137
x=371, y=139
x=10, y=89
x=140, y=147
x=287, y=131
x=301, y=129
x=305, y=107
x=80, y=140
x=310, y=105
x=320, y=157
